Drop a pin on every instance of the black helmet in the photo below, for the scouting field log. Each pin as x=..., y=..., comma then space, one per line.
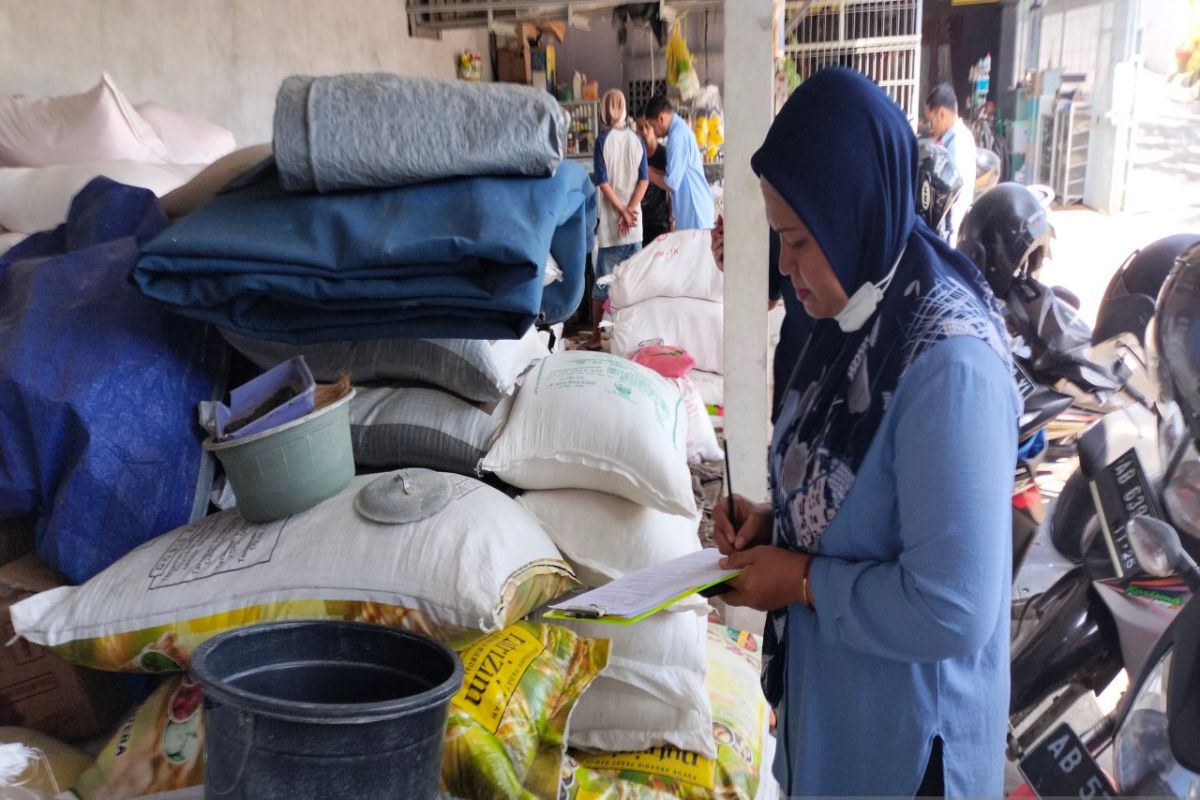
x=938, y=183
x=1175, y=338
x=1006, y=233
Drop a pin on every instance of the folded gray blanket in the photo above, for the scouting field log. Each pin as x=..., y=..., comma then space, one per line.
x=378, y=130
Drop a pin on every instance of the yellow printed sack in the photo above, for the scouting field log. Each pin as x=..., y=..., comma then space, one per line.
x=663, y=773
x=507, y=730
x=160, y=748
x=480, y=564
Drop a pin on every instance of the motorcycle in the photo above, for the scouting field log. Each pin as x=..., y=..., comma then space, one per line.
x=1090, y=625
x=1125, y=311
x=1155, y=731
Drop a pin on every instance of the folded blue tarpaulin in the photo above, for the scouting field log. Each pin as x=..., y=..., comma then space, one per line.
x=454, y=259
x=98, y=387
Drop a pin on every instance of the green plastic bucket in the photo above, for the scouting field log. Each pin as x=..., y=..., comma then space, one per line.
x=288, y=469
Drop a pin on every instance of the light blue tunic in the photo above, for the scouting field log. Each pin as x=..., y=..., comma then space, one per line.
x=910, y=636
x=691, y=199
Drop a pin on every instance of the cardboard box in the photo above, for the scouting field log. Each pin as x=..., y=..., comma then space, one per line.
x=40, y=690
x=513, y=63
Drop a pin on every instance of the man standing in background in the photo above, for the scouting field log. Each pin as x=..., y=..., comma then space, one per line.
x=656, y=205
x=691, y=200
x=941, y=110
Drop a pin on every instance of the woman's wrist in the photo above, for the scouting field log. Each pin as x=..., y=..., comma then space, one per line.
x=806, y=597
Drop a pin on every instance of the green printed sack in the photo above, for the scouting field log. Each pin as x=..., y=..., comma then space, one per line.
x=740, y=716
x=507, y=730
x=596, y=421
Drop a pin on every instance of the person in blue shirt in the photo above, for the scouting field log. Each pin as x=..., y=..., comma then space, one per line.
x=691, y=199
x=884, y=556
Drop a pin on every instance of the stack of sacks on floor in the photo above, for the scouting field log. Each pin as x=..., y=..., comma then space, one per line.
x=599, y=443
x=433, y=403
x=377, y=219
x=50, y=148
x=466, y=575
x=671, y=291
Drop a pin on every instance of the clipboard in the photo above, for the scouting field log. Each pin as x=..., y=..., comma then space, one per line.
x=638, y=595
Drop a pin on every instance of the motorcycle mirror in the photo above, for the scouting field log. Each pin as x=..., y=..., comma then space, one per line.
x=1156, y=545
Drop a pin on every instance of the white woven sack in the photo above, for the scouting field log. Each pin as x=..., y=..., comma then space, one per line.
x=467, y=568
x=678, y=264
x=604, y=537
x=35, y=199
x=653, y=690
x=697, y=326
x=702, y=439
x=586, y=420
x=710, y=385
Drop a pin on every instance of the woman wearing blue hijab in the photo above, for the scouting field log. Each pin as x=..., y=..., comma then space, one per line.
x=884, y=558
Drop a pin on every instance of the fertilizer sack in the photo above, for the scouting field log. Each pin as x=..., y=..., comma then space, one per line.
x=506, y=733
x=474, y=567
x=604, y=537
x=678, y=264
x=159, y=748
x=702, y=439
x=697, y=326
x=595, y=421
x=653, y=691
x=740, y=719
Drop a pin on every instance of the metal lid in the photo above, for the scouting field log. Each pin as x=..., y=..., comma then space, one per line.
x=408, y=495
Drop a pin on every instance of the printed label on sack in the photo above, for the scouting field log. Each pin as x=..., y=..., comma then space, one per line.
x=216, y=545
x=492, y=668
x=620, y=377
x=666, y=761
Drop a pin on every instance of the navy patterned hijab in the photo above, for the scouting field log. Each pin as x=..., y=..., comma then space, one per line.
x=843, y=156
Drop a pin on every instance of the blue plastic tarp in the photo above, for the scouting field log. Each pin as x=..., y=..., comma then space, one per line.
x=98, y=387
x=460, y=258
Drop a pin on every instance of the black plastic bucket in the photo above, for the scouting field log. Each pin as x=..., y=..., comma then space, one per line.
x=323, y=710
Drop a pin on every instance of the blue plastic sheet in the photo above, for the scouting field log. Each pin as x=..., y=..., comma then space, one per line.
x=98, y=387
x=461, y=258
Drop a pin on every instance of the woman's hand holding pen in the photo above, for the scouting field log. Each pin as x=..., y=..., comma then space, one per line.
x=751, y=526
x=772, y=577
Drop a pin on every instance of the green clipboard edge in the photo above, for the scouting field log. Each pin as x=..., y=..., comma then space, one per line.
x=618, y=620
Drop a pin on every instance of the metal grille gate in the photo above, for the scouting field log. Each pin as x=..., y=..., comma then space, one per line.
x=880, y=38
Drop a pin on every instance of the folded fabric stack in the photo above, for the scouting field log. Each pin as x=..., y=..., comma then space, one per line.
x=51, y=148
x=445, y=241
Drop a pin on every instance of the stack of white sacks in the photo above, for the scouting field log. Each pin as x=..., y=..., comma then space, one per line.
x=672, y=292
x=599, y=443
x=50, y=148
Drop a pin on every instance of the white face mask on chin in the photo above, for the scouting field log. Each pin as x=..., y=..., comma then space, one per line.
x=862, y=303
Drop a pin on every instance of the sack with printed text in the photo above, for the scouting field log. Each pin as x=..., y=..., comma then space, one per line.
x=676, y=264
x=475, y=567
x=739, y=726
x=507, y=728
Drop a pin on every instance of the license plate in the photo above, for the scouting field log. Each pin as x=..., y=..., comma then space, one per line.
x=1060, y=766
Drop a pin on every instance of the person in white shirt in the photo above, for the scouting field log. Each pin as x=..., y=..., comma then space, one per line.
x=622, y=176
x=941, y=110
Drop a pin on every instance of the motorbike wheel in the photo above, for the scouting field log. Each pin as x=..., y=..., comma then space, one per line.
x=1074, y=525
